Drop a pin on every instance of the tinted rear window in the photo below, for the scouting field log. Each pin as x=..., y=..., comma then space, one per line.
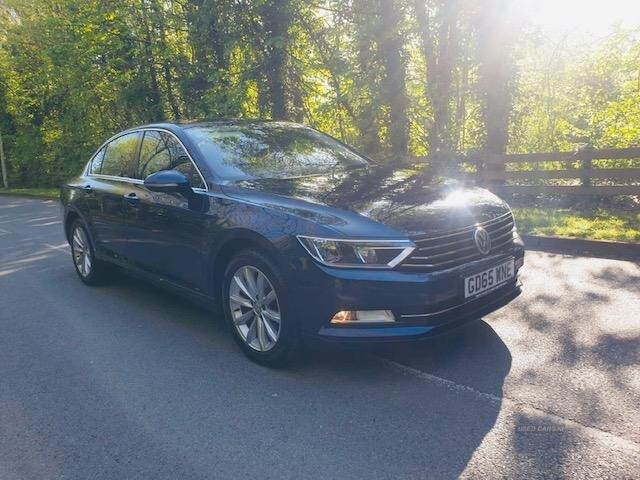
x=271, y=150
x=120, y=156
x=96, y=163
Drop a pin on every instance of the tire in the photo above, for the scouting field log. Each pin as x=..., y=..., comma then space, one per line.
x=252, y=318
x=90, y=270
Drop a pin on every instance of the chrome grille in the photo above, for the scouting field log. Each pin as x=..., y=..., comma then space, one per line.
x=456, y=247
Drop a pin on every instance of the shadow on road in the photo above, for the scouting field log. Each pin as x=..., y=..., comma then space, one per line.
x=471, y=355
x=575, y=335
x=351, y=404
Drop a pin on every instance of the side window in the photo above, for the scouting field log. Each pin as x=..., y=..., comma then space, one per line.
x=185, y=166
x=161, y=151
x=96, y=163
x=120, y=156
x=155, y=155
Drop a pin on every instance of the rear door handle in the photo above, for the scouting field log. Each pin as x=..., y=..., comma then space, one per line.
x=132, y=198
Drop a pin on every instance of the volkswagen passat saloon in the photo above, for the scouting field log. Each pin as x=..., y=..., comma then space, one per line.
x=292, y=233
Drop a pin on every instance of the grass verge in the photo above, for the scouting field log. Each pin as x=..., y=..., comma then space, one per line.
x=49, y=193
x=599, y=224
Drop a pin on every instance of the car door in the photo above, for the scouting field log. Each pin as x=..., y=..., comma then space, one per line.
x=166, y=230
x=109, y=181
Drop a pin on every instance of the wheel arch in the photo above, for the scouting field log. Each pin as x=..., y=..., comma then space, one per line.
x=71, y=217
x=233, y=243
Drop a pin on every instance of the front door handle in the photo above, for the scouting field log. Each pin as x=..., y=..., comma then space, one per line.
x=132, y=198
x=87, y=188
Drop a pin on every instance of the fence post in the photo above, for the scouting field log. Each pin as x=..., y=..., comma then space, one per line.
x=585, y=178
x=493, y=163
x=477, y=161
x=5, y=181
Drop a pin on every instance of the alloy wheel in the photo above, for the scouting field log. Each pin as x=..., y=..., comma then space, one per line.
x=81, y=252
x=254, y=308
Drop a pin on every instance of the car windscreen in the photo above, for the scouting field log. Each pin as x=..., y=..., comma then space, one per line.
x=271, y=150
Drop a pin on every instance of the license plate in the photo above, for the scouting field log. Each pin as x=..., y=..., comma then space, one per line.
x=482, y=282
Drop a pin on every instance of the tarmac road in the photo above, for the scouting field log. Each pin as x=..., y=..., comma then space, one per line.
x=127, y=381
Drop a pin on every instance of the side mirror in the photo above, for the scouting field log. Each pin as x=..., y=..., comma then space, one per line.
x=168, y=181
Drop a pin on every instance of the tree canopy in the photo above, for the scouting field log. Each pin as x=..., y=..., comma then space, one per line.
x=392, y=77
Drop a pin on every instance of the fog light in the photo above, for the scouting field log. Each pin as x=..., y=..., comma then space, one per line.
x=363, y=316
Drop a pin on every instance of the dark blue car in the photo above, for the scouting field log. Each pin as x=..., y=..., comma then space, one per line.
x=292, y=233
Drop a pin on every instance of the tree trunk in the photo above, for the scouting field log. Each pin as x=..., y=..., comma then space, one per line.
x=366, y=78
x=461, y=106
x=496, y=74
x=395, y=90
x=5, y=180
x=216, y=38
x=197, y=85
x=276, y=17
x=166, y=67
x=205, y=38
x=439, y=60
x=156, y=110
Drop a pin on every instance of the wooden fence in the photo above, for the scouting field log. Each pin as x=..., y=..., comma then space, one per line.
x=572, y=173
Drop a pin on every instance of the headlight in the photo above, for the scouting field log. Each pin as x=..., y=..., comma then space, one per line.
x=357, y=253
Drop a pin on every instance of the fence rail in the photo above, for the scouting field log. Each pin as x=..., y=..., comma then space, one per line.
x=584, y=154
x=523, y=174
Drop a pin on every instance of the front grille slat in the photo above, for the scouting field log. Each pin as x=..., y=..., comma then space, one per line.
x=444, y=246
x=454, y=248
x=507, y=227
x=503, y=244
x=502, y=218
x=441, y=264
x=499, y=238
x=445, y=254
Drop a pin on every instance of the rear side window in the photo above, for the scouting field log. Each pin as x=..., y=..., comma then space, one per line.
x=96, y=163
x=161, y=151
x=120, y=156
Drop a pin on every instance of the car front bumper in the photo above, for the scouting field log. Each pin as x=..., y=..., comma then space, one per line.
x=424, y=304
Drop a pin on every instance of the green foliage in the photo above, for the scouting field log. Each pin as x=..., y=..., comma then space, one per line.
x=73, y=72
x=575, y=95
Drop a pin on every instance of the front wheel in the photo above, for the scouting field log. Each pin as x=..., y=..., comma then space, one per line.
x=256, y=308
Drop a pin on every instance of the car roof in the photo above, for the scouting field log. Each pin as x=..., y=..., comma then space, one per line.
x=183, y=124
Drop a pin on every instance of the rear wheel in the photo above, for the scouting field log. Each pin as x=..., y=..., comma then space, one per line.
x=256, y=308
x=90, y=270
